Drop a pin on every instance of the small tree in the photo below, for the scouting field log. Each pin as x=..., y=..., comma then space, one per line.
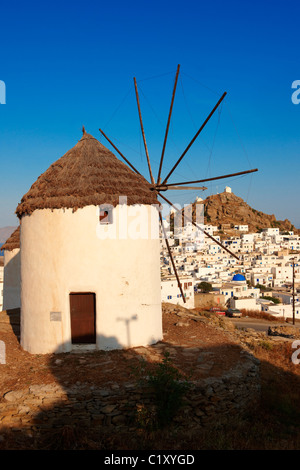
x=205, y=286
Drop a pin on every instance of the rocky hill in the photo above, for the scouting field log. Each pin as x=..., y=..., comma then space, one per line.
x=226, y=210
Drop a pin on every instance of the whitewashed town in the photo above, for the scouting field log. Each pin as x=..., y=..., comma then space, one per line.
x=265, y=277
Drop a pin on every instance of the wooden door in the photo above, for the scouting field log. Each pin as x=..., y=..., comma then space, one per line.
x=83, y=317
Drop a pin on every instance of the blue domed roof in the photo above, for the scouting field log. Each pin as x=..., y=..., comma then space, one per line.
x=238, y=277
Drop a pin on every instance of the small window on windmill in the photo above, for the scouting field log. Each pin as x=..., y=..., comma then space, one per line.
x=105, y=215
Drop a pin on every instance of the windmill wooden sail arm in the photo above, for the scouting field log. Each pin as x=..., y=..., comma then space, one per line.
x=171, y=257
x=167, y=186
x=178, y=188
x=143, y=132
x=168, y=125
x=195, y=137
x=121, y=155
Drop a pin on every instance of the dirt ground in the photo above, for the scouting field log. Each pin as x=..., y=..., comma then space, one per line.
x=185, y=336
x=188, y=337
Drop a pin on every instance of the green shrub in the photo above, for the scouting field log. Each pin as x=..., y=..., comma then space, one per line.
x=167, y=387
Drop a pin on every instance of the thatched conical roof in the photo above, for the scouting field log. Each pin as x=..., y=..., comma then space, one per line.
x=13, y=241
x=88, y=174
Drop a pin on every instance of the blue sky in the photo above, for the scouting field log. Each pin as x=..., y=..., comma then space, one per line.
x=67, y=64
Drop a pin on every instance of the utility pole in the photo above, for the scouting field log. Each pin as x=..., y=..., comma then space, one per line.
x=293, y=291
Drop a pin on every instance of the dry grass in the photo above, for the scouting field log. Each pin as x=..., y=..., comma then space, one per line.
x=261, y=315
x=246, y=313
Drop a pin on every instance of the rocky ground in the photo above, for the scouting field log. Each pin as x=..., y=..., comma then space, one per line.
x=186, y=334
x=200, y=344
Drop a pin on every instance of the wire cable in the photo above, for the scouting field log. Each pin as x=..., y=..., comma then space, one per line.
x=118, y=107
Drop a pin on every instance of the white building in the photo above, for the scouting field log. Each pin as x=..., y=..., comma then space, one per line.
x=241, y=228
x=170, y=291
x=282, y=310
x=264, y=279
x=270, y=231
x=285, y=273
x=247, y=303
x=248, y=237
x=210, y=229
x=233, y=244
x=247, y=247
x=12, y=272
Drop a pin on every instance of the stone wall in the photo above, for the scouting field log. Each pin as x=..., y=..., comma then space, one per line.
x=41, y=407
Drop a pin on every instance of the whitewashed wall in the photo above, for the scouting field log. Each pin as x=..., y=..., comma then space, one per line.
x=12, y=279
x=65, y=251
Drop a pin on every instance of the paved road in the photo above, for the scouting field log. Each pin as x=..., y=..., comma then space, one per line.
x=256, y=324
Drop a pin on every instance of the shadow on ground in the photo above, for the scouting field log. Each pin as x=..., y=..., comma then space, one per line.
x=76, y=408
